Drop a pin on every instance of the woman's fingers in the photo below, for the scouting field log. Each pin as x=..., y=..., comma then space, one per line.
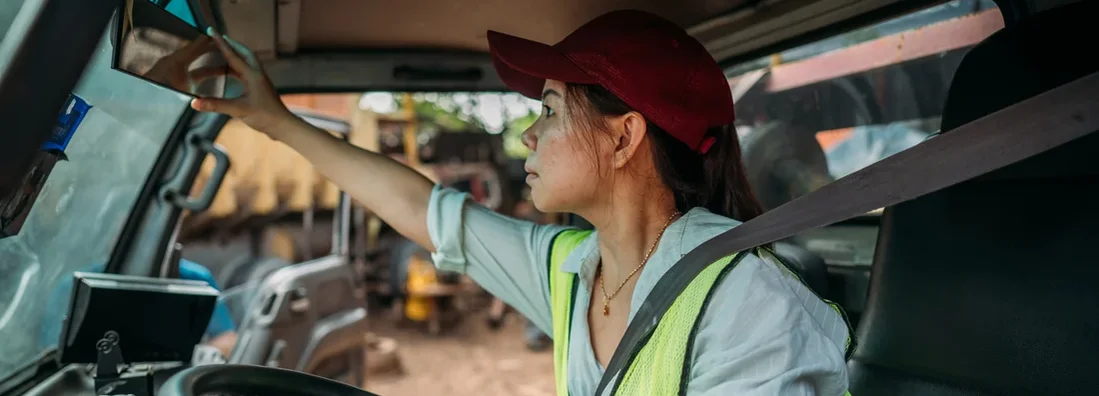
x=231, y=107
x=244, y=52
x=260, y=104
x=239, y=65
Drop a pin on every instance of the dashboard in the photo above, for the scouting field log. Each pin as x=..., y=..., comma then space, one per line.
x=844, y=246
x=848, y=251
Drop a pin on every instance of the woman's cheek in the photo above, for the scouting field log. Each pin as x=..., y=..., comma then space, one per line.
x=569, y=184
x=567, y=172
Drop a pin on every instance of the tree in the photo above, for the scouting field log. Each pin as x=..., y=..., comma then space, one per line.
x=445, y=112
x=513, y=141
x=462, y=111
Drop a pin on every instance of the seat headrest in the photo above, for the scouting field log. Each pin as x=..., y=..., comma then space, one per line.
x=1016, y=63
x=1040, y=53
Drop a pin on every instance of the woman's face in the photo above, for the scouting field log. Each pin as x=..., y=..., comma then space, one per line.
x=562, y=169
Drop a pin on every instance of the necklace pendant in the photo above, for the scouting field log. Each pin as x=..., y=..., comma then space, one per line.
x=606, y=310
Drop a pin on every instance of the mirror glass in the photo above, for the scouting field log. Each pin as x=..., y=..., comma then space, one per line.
x=163, y=42
x=180, y=9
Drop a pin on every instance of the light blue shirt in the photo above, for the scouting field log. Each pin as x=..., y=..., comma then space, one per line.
x=763, y=332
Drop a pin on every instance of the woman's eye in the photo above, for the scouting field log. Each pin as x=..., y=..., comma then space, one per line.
x=547, y=111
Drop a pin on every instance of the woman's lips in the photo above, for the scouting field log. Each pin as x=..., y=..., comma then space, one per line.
x=531, y=174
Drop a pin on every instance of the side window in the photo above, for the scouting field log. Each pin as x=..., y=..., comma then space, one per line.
x=829, y=108
x=82, y=205
x=8, y=10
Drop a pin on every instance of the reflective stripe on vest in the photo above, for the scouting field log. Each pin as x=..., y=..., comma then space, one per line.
x=562, y=288
x=662, y=365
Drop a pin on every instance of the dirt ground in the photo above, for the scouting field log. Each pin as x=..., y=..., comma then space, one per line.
x=468, y=359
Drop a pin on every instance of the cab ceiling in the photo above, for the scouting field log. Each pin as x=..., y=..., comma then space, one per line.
x=317, y=36
x=287, y=26
x=462, y=24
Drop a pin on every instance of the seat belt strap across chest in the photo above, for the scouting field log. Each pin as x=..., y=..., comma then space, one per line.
x=1013, y=134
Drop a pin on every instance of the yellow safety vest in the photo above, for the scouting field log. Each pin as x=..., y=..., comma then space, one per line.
x=662, y=364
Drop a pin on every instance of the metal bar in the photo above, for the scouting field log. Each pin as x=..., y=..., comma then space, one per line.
x=902, y=47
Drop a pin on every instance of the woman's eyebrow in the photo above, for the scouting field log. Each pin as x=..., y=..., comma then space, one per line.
x=548, y=92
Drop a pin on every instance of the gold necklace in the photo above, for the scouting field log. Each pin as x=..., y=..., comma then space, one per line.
x=606, y=298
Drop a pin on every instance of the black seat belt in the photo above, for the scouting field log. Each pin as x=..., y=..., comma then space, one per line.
x=1002, y=138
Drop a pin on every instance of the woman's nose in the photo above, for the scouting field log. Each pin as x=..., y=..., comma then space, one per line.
x=529, y=139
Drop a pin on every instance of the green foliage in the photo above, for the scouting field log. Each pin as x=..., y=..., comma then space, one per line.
x=513, y=143
x=455, y=112
x=439, y=109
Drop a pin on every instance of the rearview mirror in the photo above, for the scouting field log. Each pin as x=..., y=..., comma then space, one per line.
x=162, y=42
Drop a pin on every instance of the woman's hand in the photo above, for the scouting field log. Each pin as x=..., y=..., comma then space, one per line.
x=259, y=106
x=174, y=70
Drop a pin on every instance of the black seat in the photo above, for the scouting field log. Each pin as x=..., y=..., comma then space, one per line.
x=989, y=287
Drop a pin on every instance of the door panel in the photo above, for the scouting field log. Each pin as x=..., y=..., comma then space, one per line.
x=306, y=317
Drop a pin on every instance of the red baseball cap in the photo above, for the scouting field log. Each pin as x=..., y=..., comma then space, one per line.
x=647, y=61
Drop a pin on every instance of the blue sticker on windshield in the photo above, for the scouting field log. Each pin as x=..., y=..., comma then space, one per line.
x=67, y=122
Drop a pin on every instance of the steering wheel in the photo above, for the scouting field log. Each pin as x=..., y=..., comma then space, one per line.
x=243, y=379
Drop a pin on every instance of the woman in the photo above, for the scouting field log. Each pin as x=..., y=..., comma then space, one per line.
x=636, y=137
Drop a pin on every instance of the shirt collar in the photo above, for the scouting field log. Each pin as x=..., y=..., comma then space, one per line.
x=686, y=233
x=669, y=250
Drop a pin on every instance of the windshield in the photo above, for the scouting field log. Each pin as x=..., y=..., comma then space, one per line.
x=8, y=10
x=82, y=206
x=830, y=108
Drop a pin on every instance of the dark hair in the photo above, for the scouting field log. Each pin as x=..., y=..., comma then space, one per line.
x=715, y=181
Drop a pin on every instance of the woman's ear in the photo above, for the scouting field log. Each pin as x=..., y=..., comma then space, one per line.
x=629, y=131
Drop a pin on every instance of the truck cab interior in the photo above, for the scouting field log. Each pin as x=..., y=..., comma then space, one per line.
x=979, y=288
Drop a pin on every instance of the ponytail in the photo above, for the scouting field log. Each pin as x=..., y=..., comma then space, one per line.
x=715, y=180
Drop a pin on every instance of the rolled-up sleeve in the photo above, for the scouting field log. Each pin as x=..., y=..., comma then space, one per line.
x=508, y=257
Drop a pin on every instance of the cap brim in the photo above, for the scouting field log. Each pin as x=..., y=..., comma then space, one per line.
x=525, y=65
